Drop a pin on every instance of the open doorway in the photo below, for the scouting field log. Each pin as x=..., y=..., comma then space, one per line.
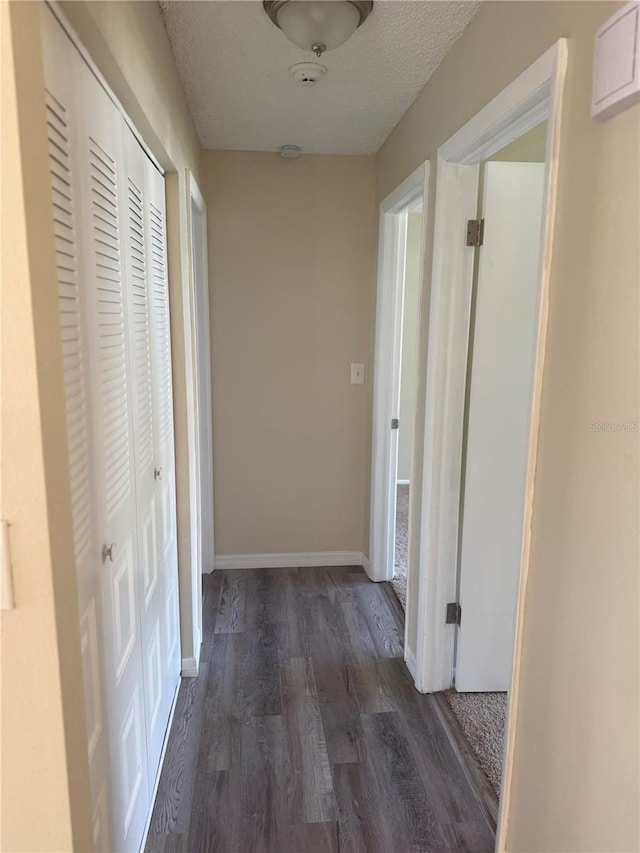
x=203, y=375
x=400, y=268
x=407, y=383
x=497, y=416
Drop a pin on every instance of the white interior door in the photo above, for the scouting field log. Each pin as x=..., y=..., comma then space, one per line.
x=502, y=368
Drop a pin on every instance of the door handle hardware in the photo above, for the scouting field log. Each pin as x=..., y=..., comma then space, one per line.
x=157, y=473
x=108, y=552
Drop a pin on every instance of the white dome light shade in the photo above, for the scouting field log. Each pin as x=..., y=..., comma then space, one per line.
x=310, y=22
x=318, y=25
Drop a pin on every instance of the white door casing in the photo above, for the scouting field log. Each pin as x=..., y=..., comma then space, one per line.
x=500, y=398
x=203, y=373
x=535, y=95
x=386, y=367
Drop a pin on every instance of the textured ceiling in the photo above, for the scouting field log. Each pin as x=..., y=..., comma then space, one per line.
x=234, y=66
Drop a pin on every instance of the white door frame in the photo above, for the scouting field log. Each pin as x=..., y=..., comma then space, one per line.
x=534, y=96
x=203, y=382
x=190, y=664
x=386, y=366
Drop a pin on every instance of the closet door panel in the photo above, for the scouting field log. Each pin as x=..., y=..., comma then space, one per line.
x=62, y=68
x=110, y=238
x=104, y=215
x=163, y=429
x=151, y=599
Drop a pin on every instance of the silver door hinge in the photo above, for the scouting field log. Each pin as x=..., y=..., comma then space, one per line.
x=395, y=423
x=454, y=613
x=475, y=232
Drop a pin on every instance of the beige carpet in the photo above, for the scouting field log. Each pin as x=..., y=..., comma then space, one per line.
x=483, y=717
x=399, y=582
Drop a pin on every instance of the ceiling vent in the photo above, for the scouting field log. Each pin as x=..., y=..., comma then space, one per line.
x=290, y=152
x=307, y=73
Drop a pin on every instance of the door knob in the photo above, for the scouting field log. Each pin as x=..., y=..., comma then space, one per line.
x=108, y=552
x=157, y=473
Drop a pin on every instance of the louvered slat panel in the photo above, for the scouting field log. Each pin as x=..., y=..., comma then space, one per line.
x=110, y=326
x=161, y=324
x=141, y=332
x=70, y=323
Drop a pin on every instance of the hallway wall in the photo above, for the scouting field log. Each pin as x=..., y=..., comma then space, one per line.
x=291, y=255
x=575, y=780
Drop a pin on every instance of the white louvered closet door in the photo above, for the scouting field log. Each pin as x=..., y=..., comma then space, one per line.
x=62, y=71
x=139, y=266
x=155, y=221
x=110, y=235
x=114, y=460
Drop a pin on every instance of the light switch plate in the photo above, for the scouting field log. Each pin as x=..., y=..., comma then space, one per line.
x=357, y=374
x=616, y=64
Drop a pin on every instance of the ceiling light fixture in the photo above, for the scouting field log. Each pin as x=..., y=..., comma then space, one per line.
x=318, y=25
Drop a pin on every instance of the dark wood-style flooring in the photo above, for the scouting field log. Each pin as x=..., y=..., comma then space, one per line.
x=304, y=733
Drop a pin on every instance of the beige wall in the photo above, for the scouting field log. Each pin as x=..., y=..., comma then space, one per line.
x=44, y=777
x=409, y=343
x=44, y=773
x=575, y=781
x=528, y=148
x=291, y=253
x=128, y=41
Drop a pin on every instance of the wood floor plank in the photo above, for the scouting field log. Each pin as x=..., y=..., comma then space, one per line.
x=343, y=732
x=265, y=803
x=328, y=648
x=304, y=732
x=228, y=659
x=180, y=763
x=366, y=823
x=230, y=617
x=261, y=683
x=215, y=818
x=211, y=594
x=313, y=783
x=387, y=634
x=311, y=838
x=403, y=789
x=294, y=640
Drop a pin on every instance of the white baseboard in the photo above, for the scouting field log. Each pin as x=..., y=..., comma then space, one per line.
x=289, y=560
x=365, y=563
x=403, y=482
x=189, y=668
x=410, y=660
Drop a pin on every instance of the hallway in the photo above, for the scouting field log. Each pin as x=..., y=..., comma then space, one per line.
x=304, y=732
